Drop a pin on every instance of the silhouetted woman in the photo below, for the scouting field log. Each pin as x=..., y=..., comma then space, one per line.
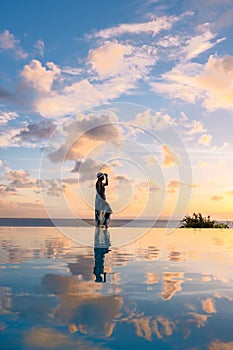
x=102, y=208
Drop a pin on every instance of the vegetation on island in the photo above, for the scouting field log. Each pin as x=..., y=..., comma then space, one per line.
x=199, y=221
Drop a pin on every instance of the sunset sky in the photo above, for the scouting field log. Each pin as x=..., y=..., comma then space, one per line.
x=142, y=90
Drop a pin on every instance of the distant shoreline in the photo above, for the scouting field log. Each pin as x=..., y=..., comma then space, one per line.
x=46, y=222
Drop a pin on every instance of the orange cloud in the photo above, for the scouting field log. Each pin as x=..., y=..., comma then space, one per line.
x=171, y=284
x=152, y=278
x=109, y=59
x=199, y=319
x=146, y=326
x=218, y=345
x=205, y=139
x=216, y=198
x=210, y=83
x=173, y=185
x=46, y=337
x=169, y=158
x=208, y=305
x=195, y=127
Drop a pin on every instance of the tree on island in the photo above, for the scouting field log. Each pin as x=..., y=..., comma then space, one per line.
x=199, y=221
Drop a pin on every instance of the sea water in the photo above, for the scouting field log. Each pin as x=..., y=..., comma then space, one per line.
x=87, y=290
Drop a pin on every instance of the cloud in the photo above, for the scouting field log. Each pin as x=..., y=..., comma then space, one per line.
x=229, y=193
x=199, y=319
x=39, y=47
x=33, y=133
x=88, y=168
x=148, y=185
x=171, y=284
x=224, y=146
x=97, y=127
x=219, y=345
x=195, y=127
x=37, y=132
x=6, y=116
x=71, y=71
x=19, y=179
x=168, y=41
x=208, y=306
x=8, y=139
x=147, y=326
x=220, y=198
x=192, y=82
x=52, y=91
x=180, y=83
x=83, y=266
x=66, y=285
x=9, y=42
x=120, y=77
x=205, y=139
x=152, y=120
x=184, y=47
x=215, y=81
x=173, y=185
x=215, y=12
x=169, y=158
x=7, y=190
x=54, y=187
x=15, y=180
x=41, y=337
x=151, y=27
x=79, y=298
x=23, y=209
x=40, y=78
x=84, y=135
x=108, y=59
x=50, y=338
x=143, y=327
x=217, y=198
x=105, y=311
x=198, y=44
x=81, y=95
x=150, y=160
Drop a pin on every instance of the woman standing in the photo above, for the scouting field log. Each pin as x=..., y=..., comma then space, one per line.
x=101, y=205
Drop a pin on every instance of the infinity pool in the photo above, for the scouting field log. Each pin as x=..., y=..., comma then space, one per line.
x=160, y=291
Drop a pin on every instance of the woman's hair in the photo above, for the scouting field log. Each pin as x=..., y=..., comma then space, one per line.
x=99, y=175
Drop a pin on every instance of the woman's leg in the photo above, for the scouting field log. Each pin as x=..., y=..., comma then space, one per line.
x=97, y=217
x=106, y=219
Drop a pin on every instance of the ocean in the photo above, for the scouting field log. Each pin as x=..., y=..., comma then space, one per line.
x=124, y=287
x=46, y=222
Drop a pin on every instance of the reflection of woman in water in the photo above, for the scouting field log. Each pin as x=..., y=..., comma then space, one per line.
x=101, y=247
x=101, y=205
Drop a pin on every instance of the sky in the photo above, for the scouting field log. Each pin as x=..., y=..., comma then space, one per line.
x=140, y=90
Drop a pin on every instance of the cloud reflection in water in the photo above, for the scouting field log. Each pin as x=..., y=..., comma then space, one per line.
x=52, y=301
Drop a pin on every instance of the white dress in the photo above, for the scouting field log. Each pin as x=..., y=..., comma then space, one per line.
x=102, y=205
